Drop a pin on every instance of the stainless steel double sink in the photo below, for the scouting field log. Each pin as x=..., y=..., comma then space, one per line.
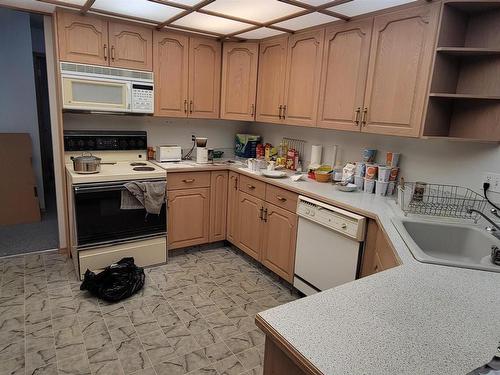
x=448, y=243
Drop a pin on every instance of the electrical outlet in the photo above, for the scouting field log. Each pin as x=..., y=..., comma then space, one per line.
x=494, y=180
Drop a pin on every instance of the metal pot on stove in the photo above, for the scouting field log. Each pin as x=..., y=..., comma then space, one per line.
x=86, y=163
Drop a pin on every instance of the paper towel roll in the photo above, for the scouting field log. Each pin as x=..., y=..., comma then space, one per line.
x=316, y=151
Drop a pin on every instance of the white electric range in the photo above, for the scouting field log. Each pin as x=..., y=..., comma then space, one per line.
x=101, y=231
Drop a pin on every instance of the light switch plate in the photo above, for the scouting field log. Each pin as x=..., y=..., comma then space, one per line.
x=494, y=180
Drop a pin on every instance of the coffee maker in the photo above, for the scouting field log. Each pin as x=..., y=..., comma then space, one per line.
x=202, y=156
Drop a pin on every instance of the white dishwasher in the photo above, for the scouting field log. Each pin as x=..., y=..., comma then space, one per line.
x=329, y=245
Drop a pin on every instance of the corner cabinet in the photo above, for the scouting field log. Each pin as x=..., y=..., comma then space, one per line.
x=232, y=208
x=218, y=205
x=399, y=70
x=250, y=224
x=239, y=81
x=187, y=75
x=82, y=39
x=95, y=40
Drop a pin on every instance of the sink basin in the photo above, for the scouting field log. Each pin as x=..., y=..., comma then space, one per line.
x=458, y=245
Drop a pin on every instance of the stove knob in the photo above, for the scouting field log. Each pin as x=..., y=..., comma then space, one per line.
x=81, y=144
x=344, y=226
x=123, y=144
x=308, y=211
x=132, y=144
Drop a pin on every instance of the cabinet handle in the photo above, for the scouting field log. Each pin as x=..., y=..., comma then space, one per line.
x=236, y=183
x=265, y=215
x=280, y=198
x=252, y=110
x=365, y=114
x=190, y=106
x=280, y=108
x=261, y=215
x=358, y=112
x=250, y=186
x=185, y=106
x=188, y=180
x=105, y=52
x=284, y=112
x=113, y=53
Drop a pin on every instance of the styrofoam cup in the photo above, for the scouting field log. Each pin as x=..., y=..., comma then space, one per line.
x=360, y=169
x=381, y=188
x=384, y=173
x=369, y=185
x=371, y=171
x=391, y=187
x=359, y=182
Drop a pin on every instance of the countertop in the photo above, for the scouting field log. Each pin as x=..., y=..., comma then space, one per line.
x=413, y=319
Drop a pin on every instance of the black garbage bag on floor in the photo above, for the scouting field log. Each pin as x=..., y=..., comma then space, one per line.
x=117, y=282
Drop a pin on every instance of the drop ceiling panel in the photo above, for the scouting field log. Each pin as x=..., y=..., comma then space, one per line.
x=263, y=32
x=189, y=3
x=209, y=23
x=138, y=8
x=308, y=20
x=254, y=10
x=73, y=2
x=357, y=7
x=315, y=2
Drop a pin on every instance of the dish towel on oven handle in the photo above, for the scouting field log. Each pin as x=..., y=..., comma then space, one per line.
x=148, y=194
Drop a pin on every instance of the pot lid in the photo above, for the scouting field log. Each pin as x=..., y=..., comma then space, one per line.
x=87, y=157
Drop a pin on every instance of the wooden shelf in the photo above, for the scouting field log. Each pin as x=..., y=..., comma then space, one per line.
x=468, y=51
x=464, y=96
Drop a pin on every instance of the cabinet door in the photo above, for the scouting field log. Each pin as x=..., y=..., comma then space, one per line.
x=131, y=46
x=239, y=81
x=204, y=77
x=82, y=39
x=188, y=217
x=400, y=63
x=250, y=224
x=303, y=72
x=232, y=208
x=279, y=239
x=343, y=77
x=218, y=205
x=170, y=55
x=271, y=79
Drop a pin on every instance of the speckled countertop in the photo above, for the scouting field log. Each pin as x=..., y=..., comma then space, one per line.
x=413, y=319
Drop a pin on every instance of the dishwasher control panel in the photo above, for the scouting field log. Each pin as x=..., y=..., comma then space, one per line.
x=338, y=219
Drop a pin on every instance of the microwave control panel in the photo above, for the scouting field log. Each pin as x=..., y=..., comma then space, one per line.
x=142, y=98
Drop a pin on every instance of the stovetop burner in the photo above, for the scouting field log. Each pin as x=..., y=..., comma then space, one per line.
x=137, y=163
x=144, y=169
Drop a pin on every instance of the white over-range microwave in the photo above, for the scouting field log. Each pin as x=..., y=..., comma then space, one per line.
x=105, y=89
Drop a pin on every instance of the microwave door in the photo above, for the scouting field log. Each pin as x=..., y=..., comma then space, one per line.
x=100, y=95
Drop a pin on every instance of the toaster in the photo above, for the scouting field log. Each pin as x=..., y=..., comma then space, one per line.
x=168, y=153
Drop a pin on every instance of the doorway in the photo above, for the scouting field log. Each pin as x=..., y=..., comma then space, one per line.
x=28, y=218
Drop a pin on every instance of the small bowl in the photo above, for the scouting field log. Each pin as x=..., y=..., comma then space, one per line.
x=348, y=187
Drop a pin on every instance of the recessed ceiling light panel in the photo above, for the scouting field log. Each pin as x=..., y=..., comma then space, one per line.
x=145, y=9
x=308, y=20
x=253, y=10
x=263, y=32
x=214, y=24
x=357, y=7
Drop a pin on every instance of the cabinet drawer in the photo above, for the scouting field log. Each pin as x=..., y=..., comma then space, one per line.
x=253, y=187
x=281, y=198
x=187, y=180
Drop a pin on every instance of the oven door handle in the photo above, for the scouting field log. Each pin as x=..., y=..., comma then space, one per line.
x=90, y=189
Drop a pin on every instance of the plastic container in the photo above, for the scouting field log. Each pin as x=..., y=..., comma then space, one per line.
x=369, y=185
x=359, y=182
x=369, y=155
x=384, y=173
x=392, y=159
x=381, y=188
x=371, y=171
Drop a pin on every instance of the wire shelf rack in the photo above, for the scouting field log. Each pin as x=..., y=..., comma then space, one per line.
x=439, y=200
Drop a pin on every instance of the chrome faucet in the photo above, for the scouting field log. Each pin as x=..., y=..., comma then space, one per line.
x=495, y=225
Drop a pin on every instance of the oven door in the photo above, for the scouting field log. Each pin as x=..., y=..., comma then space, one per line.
x=101, y=221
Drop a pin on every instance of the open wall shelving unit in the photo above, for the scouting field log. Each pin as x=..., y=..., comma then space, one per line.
x=464, y=98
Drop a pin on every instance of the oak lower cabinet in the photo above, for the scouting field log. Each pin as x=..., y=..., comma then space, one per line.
x=378, y=254
x=188, y=217
x=279, y=239
x=250, y=224
x=232, y=208
x=101, y=41
x=218, y=205
x=239, y=81
x=399, y=70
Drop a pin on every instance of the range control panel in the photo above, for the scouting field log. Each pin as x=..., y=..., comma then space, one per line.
x=96, y=140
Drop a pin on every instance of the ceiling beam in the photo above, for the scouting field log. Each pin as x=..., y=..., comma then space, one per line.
x=88, y=4
x=320, y=8
x=183, y=14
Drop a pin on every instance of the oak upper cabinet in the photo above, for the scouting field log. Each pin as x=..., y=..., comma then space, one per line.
x=171, y=56
x=239, y=80
x=279, y=239
x=343, y=78
x=218, y=205
x=82, y=39
x=232, y=208
x=131, y=46
x=188, y=217
x=400, y=64
x=303, y=71
x=204, y=77
x=250, y=224
x=271, y=81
